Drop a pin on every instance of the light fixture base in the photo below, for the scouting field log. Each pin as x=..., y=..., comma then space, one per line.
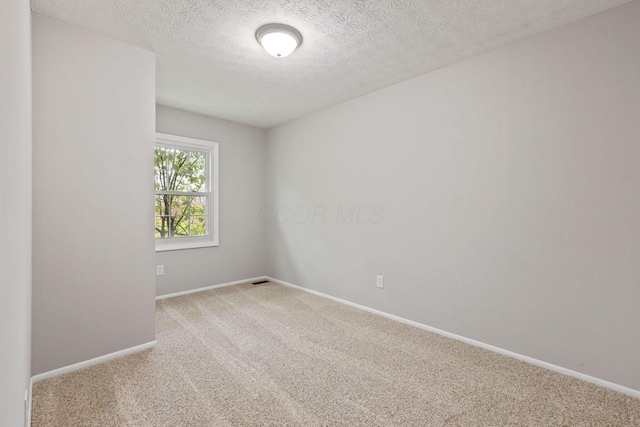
x=279, y=40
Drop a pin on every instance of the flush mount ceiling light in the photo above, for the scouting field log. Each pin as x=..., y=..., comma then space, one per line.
x=279, y=40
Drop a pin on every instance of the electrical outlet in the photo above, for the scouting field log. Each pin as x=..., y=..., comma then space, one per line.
x=159, y=270
x=380, y=281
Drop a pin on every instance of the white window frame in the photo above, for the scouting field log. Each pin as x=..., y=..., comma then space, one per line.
x=210, y=148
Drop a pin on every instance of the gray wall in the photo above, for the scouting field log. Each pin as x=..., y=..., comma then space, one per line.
x=242, y=252
x=499, y=198
x=93, y=246
x=15, y=209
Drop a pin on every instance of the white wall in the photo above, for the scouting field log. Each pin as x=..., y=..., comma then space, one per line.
x=15, y=209
x=499, y=197
x=242, y=251
x=93, y=250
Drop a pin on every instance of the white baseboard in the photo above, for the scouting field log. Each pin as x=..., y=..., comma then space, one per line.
x=29, y=405
x=597, y=381
x=91, y=362
x=222, y=285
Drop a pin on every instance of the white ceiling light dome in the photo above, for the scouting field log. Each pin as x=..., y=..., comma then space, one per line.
x=279, y=40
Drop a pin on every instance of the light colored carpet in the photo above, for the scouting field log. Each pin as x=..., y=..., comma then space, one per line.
x=268, y=355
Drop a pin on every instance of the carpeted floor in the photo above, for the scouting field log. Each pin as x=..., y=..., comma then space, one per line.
x=268, y=355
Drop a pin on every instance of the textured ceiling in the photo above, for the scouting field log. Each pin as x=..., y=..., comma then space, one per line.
x=209, y=62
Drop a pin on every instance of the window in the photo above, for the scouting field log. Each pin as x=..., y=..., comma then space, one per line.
x=186, y=183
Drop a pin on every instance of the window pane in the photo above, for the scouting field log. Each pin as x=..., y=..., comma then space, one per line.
x=180, y=170
x=162, y=227
x=178, y=216
x=163, y=203
x=198, y=225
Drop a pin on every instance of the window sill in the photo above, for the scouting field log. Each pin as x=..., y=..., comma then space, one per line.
x=184, y=245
